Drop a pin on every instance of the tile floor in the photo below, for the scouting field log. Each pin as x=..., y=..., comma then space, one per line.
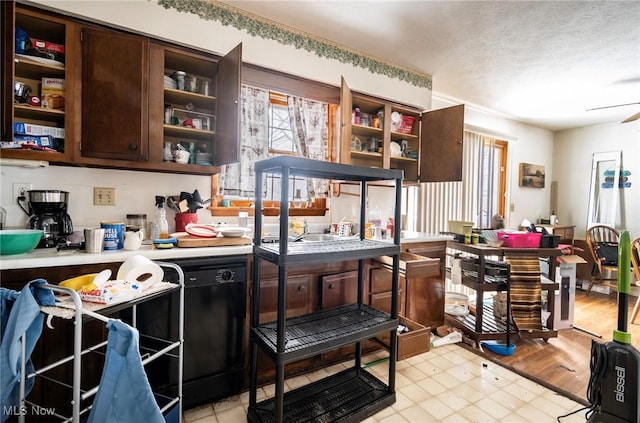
x=446, y=384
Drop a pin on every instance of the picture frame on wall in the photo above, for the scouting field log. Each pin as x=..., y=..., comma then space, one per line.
x=531, y=175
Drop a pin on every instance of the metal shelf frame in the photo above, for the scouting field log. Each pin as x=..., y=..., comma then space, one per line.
x=288, y=340
x=82, y=314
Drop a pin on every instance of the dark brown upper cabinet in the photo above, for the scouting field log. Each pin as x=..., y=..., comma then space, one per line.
x=432, y=141
x=442, y=141
x=116, y=95
x=115, y=87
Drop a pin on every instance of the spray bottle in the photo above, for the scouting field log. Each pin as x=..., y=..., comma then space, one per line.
x=160, y=225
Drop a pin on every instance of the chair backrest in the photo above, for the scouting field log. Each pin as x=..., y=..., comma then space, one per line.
x=600, y=233
x=635, y=257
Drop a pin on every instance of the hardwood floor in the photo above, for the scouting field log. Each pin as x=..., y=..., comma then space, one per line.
x=562, y=363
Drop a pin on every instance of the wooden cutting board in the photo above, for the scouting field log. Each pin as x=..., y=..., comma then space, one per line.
x=188, y=241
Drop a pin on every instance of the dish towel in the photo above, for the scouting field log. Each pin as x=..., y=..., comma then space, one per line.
x=20, y=314
x=525, y=288
x=124, y=394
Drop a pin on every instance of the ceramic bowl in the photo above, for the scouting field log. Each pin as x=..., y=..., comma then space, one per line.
x=19, y=241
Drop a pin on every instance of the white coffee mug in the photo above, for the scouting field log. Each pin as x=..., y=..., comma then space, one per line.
x=133, y=240
x=182, y=156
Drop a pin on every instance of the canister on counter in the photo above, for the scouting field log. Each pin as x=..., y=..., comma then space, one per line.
x=137, y=222
x=113, y=235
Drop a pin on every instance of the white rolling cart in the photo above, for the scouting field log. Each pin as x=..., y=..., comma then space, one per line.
x=72, y=307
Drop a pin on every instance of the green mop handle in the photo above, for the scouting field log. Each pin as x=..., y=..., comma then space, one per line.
x=624, y=287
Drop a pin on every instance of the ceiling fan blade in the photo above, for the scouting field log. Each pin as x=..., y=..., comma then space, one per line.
x=616, y=105
x=632, y=118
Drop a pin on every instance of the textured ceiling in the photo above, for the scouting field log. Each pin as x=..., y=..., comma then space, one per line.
x=540, y=62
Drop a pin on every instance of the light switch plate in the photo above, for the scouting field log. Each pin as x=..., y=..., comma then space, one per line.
x=104, y=196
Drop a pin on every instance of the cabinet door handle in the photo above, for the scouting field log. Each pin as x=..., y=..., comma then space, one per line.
x=332, y=285
x=302, y=288
x=133, y=147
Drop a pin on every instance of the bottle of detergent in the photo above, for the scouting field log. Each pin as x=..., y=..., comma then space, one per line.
x=160, y=224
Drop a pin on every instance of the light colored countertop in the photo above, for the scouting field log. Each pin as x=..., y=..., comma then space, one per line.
x=408, y=237
x=49, y=257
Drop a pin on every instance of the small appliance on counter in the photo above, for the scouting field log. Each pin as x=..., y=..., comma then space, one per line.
x=47, y=210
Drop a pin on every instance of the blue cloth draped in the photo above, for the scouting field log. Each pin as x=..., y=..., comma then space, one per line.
x=124, y=394
x=19, y=314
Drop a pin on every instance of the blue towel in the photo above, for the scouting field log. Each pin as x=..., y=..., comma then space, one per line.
x=124, y=394
x=20, y=314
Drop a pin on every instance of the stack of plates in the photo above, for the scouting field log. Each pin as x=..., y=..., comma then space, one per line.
x=204, y=159
x=169, y=82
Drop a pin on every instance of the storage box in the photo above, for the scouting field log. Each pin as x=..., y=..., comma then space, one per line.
x=565, y=297
x=46, y=49
x=21, y=128
x=520, y=239
x=39, y=140
x=460, y=227
x=52, y=93
x=549, y=241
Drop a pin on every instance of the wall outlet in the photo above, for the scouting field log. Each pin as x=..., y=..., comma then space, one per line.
x=104, y=196
x=20, y=190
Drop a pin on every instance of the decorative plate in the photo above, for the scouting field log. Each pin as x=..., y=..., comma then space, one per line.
x=203, y=231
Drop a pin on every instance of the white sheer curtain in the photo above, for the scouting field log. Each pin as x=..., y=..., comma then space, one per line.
x=310, y=131
x=239, y=178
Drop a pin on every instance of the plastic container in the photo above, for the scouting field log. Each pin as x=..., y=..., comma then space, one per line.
x=137, y=222
x=460, y=227
x=456, y=304
x=520, y=239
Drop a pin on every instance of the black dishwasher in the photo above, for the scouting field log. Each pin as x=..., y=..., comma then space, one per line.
x=214, y=320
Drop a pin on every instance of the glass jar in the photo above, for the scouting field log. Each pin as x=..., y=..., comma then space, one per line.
x=137, y=222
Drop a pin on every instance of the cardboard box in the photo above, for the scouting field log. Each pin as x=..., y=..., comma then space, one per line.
x=564, y=304
x=52, y=93
x=39, y=140
x=22, y=128
x=46, y=49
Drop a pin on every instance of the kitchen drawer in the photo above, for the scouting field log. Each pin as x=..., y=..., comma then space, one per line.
x=413, y=265
x=414, y=342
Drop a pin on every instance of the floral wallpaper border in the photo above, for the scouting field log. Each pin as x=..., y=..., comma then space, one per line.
x=263, y=28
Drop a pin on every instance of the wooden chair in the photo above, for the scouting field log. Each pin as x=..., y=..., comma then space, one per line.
x=635, y=264
x=596, y=238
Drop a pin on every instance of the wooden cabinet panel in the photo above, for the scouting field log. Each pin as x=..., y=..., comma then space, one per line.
x=380, y=296
x=228, y=119
x=426, y=294
x=442, y=137
x=339, y=289
x=299, y=290
x=115, y=69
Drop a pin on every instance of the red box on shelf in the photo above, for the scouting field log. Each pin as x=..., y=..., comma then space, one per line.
x=520, y=239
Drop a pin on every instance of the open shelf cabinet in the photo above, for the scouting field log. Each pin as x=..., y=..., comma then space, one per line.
x=352, y=394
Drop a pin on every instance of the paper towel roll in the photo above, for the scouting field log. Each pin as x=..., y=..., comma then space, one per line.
x=141, y=270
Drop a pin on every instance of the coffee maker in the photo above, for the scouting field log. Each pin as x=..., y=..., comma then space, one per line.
x=48, y=211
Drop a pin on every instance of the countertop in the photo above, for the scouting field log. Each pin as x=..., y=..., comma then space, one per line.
x=49, y=257
x=408, y=237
